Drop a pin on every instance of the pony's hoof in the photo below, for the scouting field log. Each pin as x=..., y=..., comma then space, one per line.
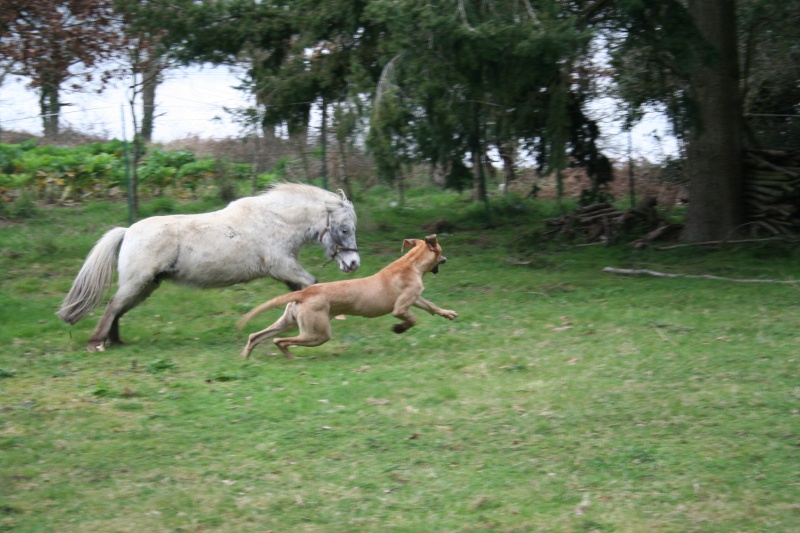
x=95, y=346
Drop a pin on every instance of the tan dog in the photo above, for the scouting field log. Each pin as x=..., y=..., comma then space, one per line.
x=392, y=290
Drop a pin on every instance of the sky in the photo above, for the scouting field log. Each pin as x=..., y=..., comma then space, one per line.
x=192, y=102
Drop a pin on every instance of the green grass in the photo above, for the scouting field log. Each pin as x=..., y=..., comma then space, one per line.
x=561, y=399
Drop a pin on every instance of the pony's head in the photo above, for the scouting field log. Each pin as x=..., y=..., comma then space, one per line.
x=339, y=235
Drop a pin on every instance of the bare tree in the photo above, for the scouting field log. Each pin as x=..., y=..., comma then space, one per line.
x=53, y=42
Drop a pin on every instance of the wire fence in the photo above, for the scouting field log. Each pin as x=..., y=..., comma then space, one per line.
x=191, y=102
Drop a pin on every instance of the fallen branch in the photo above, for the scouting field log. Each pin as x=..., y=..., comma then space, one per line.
x=709, y=243
x=645, y=272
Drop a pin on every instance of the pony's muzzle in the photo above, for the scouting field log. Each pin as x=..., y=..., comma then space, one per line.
x=348, y=261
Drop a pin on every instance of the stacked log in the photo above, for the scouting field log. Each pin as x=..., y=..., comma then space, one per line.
x=772, y=191
x=602, y=223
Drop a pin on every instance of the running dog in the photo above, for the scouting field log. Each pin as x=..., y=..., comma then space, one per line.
x=395, y=289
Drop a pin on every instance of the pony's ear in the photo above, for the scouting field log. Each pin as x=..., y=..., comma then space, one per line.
x=408, y=243
x=431, y=241
x=342, y=195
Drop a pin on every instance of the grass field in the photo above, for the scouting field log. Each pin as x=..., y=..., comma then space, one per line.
x=561, y=399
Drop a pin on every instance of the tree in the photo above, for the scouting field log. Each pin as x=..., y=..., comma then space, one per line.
x=447, y=81
x=715, y=142
x=768, y=35
x=150, y=49
x=686, y=59
x=468, y=77
x=55, y=41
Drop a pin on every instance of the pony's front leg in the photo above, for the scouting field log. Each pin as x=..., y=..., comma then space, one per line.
x=295, y=277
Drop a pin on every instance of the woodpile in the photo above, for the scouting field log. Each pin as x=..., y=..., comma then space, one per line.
x=602, y=223
x=772, y=191
x=772, y=202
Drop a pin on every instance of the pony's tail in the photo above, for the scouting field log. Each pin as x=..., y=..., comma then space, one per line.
x=275, y=302
x=94, y=277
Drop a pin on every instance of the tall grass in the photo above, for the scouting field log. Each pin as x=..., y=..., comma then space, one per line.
x=561, y=399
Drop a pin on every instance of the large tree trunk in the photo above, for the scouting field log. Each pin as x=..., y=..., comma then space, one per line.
x=714, y=150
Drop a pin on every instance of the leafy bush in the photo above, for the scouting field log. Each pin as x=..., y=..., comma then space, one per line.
x=55, y=173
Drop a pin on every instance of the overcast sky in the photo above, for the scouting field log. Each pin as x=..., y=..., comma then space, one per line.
x=192, y=101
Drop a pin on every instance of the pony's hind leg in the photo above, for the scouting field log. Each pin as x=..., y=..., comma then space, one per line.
x=126, y=298
x=285, y=323
x=113, y=333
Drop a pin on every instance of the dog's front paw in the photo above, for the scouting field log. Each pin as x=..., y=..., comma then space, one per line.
x=449, y=315
x=401, y=327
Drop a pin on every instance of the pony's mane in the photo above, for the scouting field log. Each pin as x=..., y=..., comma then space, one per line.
x=307, y=191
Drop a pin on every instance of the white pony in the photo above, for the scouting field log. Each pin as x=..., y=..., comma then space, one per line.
x=252, y=237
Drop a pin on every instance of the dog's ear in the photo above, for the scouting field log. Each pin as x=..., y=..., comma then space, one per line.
x=431, y=241
x=408, y=243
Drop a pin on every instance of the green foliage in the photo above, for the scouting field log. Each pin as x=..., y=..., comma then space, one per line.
x=193, y=175
x=53, y=173
x=653, y=56
x=161, y=168
x=30, y=172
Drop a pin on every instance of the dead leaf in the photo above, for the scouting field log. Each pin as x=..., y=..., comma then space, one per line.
x=377, y=401
x=414, y=436
x=581, y=508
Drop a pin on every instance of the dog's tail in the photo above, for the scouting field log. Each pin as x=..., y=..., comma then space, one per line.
x=275, y=302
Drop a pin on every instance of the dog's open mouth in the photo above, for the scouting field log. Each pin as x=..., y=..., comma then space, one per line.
x=442, y=261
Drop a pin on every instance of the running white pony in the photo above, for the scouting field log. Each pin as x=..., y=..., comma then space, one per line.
x=252, y=237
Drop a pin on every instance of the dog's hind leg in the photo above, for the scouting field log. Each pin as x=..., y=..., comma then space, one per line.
x=315, y=329
x=285, y=323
